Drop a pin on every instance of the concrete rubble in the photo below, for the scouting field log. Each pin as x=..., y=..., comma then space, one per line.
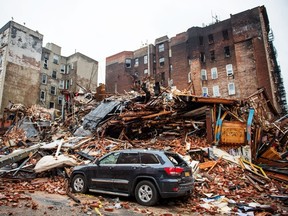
x=238, y=150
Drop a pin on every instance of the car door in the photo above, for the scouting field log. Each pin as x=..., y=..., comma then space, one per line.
x=102, y=175
x=126, y=170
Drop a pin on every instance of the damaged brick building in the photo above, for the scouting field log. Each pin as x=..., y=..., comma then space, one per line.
x=231, y=59
x=31, y=74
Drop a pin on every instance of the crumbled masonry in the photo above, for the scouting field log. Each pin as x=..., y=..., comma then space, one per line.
x=238, y=150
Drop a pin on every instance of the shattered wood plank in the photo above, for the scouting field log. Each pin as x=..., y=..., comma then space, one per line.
x=157, y=114
x=18, y=155
x=254, y=184
x=207, y=164
x=81, y=143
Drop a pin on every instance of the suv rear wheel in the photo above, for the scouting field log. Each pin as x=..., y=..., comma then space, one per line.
x=146, y=193
x=78, y=184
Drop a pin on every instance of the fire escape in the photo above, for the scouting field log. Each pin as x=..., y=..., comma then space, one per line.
x=281, y=94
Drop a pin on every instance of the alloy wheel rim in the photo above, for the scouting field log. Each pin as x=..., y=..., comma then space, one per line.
x=78, y=184
x=145, y=193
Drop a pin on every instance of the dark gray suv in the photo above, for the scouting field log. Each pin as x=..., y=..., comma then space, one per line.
x=146, y=174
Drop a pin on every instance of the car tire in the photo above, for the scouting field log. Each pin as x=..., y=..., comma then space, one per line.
x=79, y=184
x=146, y=193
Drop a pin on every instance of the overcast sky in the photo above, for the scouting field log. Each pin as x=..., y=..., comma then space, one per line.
x=102, y=28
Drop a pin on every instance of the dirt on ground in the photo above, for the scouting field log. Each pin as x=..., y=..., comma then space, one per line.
x=43, y=203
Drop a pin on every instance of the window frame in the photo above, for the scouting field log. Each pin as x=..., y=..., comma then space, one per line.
x=54, y=74
x=44, y=95
x=203, y=73
x=233, y=91
x=161, y=47
x=216, y=91
x=51, y=91
x=229, y=67
x=136, y=62
x=45, y=80
x=214, y=71
x=145, y=59
x=203, y=92
x=128, y=62
x=161, y=61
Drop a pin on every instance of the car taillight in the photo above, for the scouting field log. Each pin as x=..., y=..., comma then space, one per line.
x=174, y=171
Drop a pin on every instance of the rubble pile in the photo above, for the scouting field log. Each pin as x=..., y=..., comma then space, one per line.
x=236, y=149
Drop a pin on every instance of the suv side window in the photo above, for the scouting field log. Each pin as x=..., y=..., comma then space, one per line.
x=128, y=158
x=110, y=159
x=147, y=158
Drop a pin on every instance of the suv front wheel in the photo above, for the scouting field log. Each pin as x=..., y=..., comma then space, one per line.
x=78, y=184
x=146, y=193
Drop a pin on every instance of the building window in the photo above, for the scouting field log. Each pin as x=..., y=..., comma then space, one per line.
x=225, y=34
x=63, y=69
x=203, y=74
x=67, y=84
x=201, y=40
x=202, y=57
x=61, y=84
x=146, y=71
x=212, y=55
x=161, y=61
x=136, y=64
x=60, y=100
x=128, y=63
x=161, y=47
x=227, y=51
x=229, y=70
x=214, y=74
x=44, y=79
x=205, y=91
x=216, y=92
x=51, y=105
x=42, y=95
x=189, y=77
x=45, y=65
x=145, y=59
x=54, y=74
x=210, y=39
x=55, y=59
x=171, y=68
x=163, y=78
x=231, y=89
x=170, y=52
x=53, y=90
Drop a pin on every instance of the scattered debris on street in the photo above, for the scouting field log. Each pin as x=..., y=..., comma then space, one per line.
x=238, y=150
